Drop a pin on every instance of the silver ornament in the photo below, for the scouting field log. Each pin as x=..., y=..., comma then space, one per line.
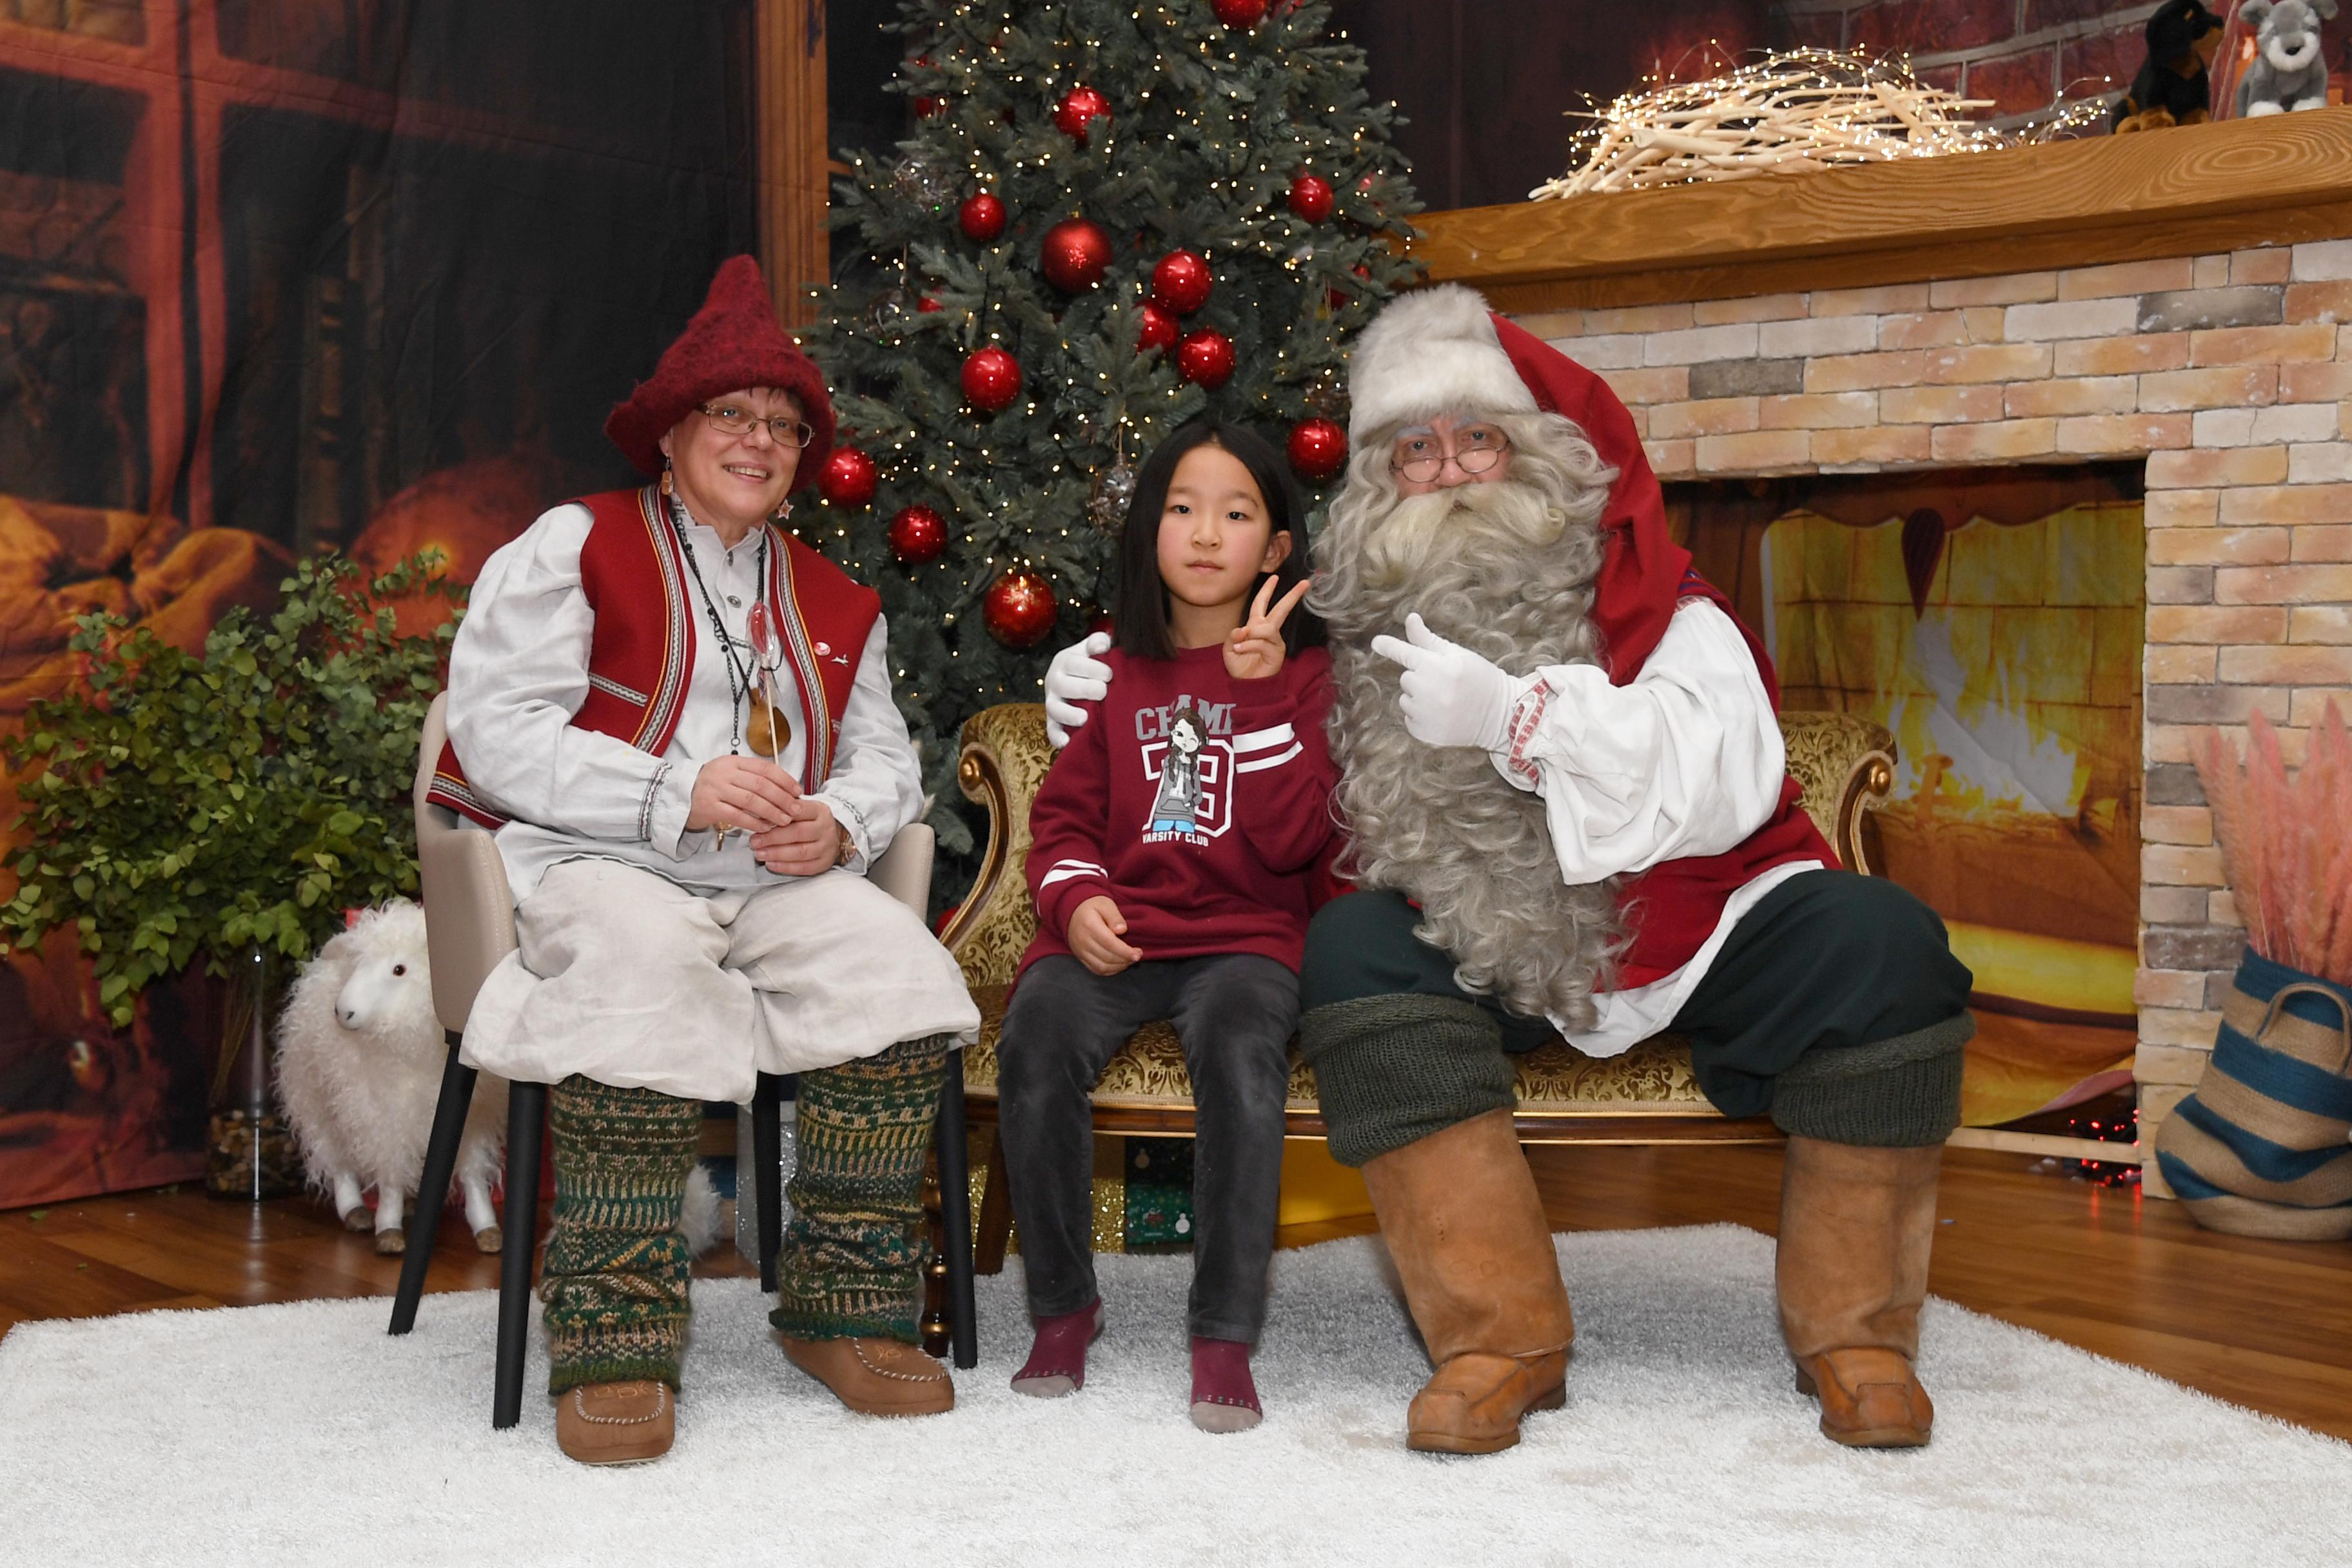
x=1114, y=489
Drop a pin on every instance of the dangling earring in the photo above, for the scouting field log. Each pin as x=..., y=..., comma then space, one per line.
x=783, y=511
x=665, y=478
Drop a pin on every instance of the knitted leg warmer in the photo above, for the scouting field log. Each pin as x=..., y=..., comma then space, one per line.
x=615, y=1283
x=1902, y=1093
x=1393, y=1069
x=853, y=1255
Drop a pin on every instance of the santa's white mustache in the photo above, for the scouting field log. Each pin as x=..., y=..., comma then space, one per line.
x=1418, y=528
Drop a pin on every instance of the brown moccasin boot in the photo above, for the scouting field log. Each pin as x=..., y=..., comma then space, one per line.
x=876, y=1376
x=616, y=1422
x=1856, y=1225
x=1459, y=1211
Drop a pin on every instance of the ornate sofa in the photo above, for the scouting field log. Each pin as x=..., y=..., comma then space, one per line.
x=1646, y=1096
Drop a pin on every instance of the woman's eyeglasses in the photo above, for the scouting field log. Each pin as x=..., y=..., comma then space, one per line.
x=794, y=433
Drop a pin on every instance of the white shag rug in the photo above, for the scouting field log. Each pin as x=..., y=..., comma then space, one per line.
x=303, y=1434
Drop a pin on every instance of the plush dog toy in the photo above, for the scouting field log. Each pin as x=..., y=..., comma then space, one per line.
x=2288, y=72
x=2172, y=88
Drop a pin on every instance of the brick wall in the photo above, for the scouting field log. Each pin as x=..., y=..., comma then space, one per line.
x=2024, y=55
x=2231, y=375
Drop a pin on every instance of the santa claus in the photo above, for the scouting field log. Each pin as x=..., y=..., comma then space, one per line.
x=1569, y=809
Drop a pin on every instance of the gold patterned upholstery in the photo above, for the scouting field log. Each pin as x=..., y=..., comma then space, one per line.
x=1844, y=763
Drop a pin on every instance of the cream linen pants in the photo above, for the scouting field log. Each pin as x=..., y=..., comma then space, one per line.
x=629, y=979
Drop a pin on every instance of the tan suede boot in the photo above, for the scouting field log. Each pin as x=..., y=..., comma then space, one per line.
x=1459, y=1214
x=1855, y=1228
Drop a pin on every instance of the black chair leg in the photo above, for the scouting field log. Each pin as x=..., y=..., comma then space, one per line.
x=955, y=1216
x=433, y=1188
x=526, y=1121
x=768, y=1171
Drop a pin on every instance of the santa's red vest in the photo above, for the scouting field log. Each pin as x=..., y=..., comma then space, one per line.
x=641, y=653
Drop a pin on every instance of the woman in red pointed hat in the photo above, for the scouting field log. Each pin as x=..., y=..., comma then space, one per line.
x=677, y=719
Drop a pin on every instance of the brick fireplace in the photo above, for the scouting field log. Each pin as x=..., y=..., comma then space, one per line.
x=2226, y=369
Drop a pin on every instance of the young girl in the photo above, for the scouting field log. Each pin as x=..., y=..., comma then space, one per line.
x=1177, y=841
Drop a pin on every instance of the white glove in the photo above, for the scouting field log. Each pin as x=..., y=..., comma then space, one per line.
x=1076, y=676
x=1451, y=697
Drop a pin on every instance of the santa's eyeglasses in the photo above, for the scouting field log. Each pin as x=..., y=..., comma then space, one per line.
x=736, y=421
x=1476, y=448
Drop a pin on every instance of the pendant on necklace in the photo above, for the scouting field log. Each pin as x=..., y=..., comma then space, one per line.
x=769, y=740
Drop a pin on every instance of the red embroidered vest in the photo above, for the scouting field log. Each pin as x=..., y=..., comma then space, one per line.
x=641, y=653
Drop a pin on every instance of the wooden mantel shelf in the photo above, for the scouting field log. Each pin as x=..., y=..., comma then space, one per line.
x=2278, y=180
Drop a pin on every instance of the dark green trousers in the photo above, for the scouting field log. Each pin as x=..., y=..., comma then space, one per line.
x=1835, y=1006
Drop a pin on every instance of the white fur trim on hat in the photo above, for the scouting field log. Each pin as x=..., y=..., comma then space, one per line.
x=1430, y=352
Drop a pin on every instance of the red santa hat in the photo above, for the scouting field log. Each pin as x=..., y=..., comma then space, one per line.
x=1441, y=351
x=733, y=343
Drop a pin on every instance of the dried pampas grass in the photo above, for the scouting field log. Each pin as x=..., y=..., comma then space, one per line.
x=1787, y=113
x=2288, y=847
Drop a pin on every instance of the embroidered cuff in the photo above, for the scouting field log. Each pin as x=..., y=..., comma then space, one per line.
x=861, y=836
x=668, y=802
x=1527, y=717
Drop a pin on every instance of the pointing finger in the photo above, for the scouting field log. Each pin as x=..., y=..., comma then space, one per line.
x=1258, y=602
x=1398, y=651
x=1290, y=600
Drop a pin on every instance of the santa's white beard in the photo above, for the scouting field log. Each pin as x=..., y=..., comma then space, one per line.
x=1503, y=571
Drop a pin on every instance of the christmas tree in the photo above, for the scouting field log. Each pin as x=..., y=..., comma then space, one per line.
x=1110, y=217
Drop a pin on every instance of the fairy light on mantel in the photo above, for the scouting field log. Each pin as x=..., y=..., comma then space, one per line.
x=1802, y=110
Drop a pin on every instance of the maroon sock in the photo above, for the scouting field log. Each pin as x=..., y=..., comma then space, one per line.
x=1057, y=1358
x=1220, y=1375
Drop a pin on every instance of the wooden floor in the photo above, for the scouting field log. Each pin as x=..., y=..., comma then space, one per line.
x=2264, y=1324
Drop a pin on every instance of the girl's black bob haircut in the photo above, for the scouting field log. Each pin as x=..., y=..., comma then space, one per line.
x=1142, y=615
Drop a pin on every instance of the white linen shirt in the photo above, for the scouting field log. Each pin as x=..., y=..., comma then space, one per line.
x=1685, y=759
x=518, y=672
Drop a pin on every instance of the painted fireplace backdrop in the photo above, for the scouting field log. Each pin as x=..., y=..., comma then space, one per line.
x=277, y=276
x=1990, y=619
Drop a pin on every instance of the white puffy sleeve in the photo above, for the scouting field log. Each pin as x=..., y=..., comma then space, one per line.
x=1687, y=759
x=517, y=673
x=877, y=784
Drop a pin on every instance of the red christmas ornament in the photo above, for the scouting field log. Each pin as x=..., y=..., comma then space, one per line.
x=926, y=305
x=1339, y=296
x=1159, y=330
x=1180, y=283
x=1207, y=358
x=847, y=478
x=1318, y=448
x=1019, y=609
x=1242, y=14
x=917, y=535
x=1310, y=197
x=981, y=218
x=925, y=104
x=1079, y=108
x=991, y=380
x=1075, y=255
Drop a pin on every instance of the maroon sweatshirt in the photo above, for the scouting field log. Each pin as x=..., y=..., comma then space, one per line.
x=1199, y=803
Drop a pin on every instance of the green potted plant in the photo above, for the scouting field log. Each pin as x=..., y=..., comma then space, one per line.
x=226, y=808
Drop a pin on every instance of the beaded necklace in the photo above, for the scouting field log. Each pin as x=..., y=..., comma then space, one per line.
x=739, y=677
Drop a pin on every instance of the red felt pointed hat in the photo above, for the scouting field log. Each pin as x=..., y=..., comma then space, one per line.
x=734, y=343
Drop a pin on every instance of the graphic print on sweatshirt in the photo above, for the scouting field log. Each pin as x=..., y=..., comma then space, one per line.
x=1188, y=766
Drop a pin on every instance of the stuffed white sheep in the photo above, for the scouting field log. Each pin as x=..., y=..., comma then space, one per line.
x=360, y=1056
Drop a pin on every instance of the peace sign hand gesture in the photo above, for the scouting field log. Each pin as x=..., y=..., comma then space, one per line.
x=1253, y=650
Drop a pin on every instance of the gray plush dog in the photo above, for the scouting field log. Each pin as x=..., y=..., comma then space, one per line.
x=2288, y=72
